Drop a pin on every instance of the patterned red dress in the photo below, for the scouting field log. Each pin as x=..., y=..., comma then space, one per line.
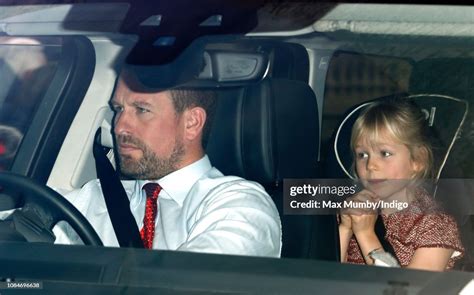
x=421, y=224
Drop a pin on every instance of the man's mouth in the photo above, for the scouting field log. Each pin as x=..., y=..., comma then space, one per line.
x=124, y=148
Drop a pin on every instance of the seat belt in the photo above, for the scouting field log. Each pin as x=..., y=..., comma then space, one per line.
x=116, y=199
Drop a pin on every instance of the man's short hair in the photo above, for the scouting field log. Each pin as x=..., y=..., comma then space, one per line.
x=188, y=98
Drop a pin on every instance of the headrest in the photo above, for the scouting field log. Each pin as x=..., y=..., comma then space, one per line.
x=453, y=77
x=293, y=62
x=445, y=115
x=266, y=132
x=447, y=76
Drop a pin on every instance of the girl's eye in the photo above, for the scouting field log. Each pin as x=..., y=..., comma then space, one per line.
x=386, y=154
x=362, y=155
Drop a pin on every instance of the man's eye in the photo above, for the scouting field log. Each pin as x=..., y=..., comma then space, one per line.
x=142, y=110
x=117, y=109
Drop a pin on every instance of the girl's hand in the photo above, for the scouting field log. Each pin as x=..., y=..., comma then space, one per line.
x=362, y=224
x=362, y=220
x=345, y=222
x=345, y=234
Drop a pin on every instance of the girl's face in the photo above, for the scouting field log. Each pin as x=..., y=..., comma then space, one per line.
x=385, y=167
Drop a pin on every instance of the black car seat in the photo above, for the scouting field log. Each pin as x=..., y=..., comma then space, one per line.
x=267, y=132
x=454, y=77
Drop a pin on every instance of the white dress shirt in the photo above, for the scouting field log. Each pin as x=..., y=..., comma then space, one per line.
x=199, y=209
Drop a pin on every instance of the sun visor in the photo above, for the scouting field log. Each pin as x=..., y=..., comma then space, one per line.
x=201, y=66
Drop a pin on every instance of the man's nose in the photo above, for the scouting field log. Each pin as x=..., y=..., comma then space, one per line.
x=122, y=123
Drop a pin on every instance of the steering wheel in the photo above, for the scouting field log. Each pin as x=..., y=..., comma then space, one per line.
x=17, y=191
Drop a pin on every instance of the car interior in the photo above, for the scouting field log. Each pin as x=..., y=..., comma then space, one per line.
x=291, y=78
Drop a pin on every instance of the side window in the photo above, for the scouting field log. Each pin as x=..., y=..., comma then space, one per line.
x=353, y=78
x=27, y=67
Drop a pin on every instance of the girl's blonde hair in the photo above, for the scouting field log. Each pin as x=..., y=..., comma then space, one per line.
x=404, y=122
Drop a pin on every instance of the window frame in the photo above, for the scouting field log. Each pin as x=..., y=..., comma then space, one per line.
x=42, y=141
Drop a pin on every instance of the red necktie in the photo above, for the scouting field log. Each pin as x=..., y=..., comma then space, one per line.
x=148, y=231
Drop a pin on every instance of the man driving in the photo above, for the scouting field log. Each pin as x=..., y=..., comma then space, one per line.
x=179, y=201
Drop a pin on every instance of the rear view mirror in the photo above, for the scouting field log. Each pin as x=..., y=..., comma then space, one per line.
x=233, y=67
x=202, y=65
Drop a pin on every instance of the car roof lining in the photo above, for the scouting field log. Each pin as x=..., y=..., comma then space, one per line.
x=348, y=23
x=321, y=17
x=388, y=19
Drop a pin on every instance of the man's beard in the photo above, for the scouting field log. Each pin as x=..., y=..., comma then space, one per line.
x=149, y=166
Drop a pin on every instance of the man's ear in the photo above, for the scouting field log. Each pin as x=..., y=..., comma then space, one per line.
x=194, y=120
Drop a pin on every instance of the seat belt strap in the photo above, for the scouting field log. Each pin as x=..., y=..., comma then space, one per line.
x=116, y=199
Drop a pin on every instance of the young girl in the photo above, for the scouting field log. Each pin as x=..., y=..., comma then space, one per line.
x=392, y=153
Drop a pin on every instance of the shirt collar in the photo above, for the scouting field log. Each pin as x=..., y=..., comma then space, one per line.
x=177, y=184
